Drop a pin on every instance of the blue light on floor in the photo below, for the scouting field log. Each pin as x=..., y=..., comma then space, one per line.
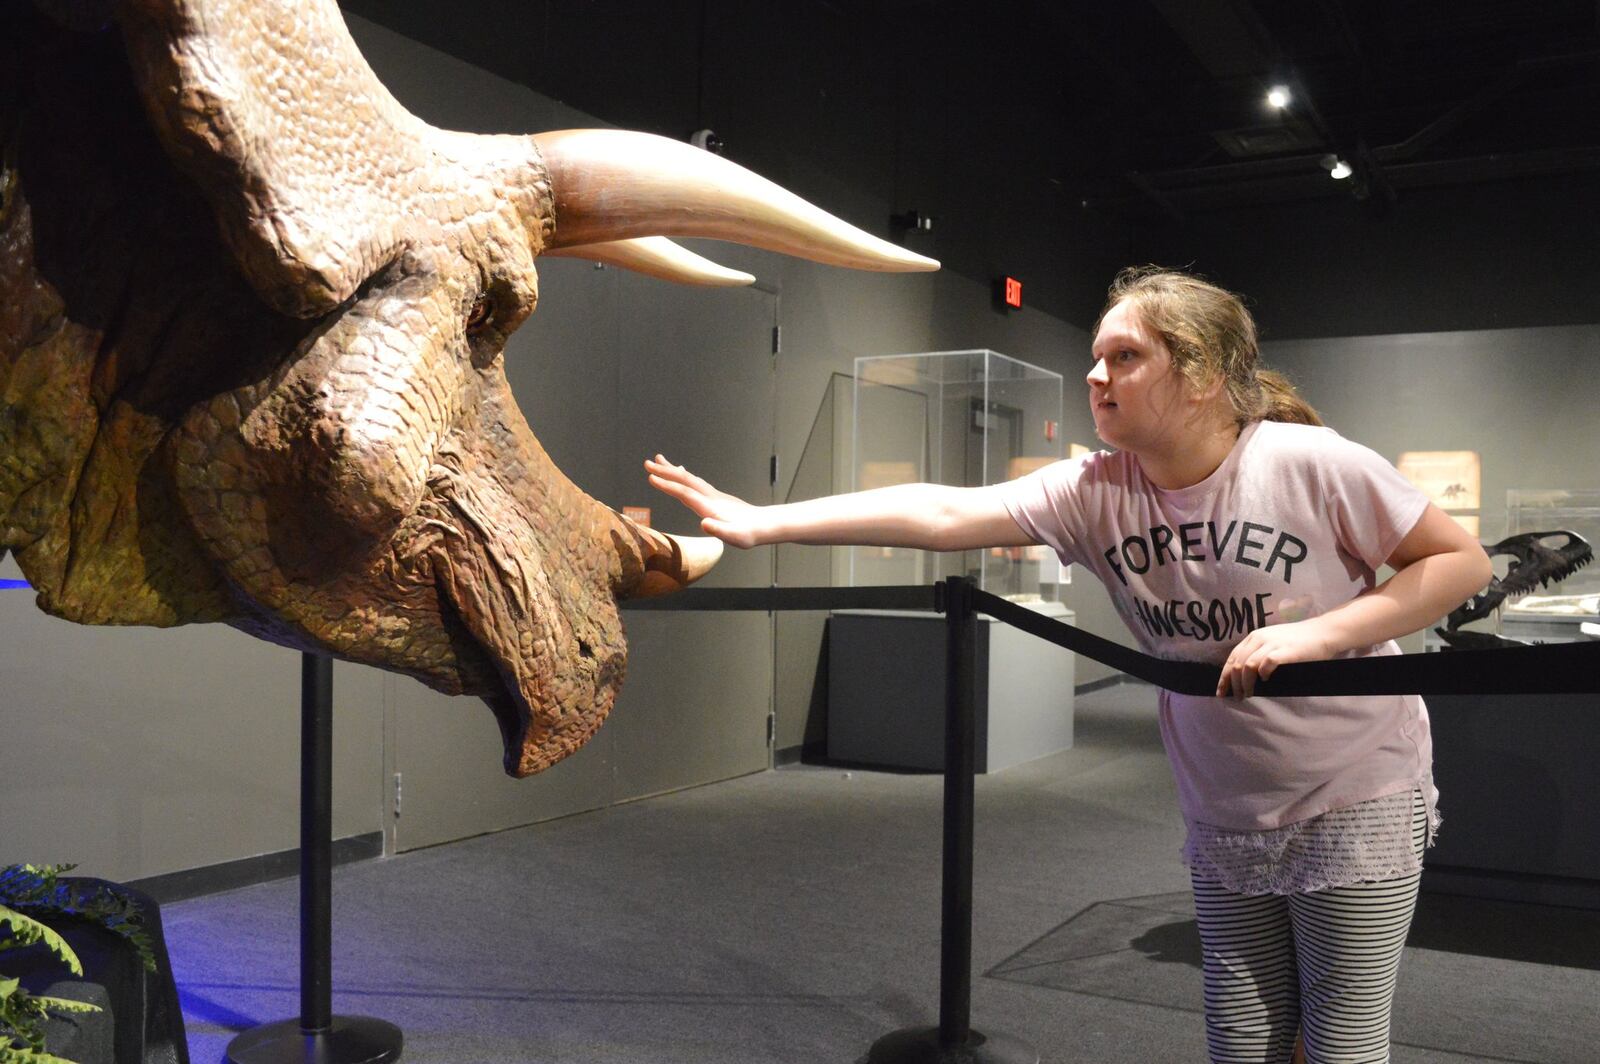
x=7, y=584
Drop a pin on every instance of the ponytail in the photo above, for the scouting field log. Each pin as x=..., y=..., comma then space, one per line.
x=1281, y=402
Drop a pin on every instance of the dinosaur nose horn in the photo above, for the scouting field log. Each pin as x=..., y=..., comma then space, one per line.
x=661, y=562
x=681, y=561
x=613, y=185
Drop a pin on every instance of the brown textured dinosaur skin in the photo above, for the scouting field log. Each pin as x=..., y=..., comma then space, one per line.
x=209, y=414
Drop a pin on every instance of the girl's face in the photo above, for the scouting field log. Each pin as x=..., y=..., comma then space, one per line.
x=1139, y=402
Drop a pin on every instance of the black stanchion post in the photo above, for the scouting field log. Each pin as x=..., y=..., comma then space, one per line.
x=318, y=1036
x=316, y=843
x=960, y=735
x=954, y=1041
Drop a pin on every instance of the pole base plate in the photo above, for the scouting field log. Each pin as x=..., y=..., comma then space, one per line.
x=348, y=1040
x=921, y=1045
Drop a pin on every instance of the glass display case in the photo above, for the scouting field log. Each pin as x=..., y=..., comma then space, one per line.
x=1559, y=611
x=962, y=418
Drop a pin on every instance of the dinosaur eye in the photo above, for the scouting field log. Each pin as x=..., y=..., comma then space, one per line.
x=482, y=311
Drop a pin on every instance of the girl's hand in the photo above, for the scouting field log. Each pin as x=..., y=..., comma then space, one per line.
x=725, y=516
x=1261, y=652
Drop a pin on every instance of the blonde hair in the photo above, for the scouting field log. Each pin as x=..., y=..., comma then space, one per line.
x=1211, y=337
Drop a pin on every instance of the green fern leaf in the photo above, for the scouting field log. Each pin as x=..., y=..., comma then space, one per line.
x=16, y=1055
x=34, y=889
x=25, y=931
x=22, y=1017
x=55, y=1004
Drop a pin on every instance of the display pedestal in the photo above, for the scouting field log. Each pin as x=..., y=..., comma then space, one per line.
x=886, y=676
x=1516, y=782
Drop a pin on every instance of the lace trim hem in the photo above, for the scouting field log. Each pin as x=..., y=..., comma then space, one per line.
x=1368, y=842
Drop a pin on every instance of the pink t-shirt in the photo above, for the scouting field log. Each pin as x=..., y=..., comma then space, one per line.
x=1294, y=522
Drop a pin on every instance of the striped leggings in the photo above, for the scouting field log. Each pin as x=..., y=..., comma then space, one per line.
x=1325, y=961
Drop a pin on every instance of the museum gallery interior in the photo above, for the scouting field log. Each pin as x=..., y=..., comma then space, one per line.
x=357, y=705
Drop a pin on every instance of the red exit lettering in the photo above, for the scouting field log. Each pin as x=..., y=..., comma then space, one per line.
x=1013, y=292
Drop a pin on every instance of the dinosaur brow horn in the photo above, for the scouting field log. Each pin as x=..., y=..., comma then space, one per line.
x=656, y=256
x=615, y=185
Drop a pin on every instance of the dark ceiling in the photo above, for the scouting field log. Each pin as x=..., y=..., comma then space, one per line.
x=1056, y=140
x=1411, y=94
x=1155, y=100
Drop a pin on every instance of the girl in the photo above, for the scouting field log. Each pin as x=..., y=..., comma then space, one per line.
x=1229, y=527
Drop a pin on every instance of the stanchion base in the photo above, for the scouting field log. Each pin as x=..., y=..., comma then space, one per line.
x=350, y=1040
x=920, y=1045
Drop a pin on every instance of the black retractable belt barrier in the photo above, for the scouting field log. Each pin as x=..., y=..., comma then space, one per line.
x=318, y=1036
x=888, y=597
x=1556, y=669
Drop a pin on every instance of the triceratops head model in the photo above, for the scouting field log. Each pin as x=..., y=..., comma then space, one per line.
x=252, y=315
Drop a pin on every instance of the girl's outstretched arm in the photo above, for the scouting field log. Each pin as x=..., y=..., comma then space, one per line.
x=923, y=516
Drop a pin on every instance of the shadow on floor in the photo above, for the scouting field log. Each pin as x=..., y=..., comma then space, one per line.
x=1142, y=949
x=1147, y=948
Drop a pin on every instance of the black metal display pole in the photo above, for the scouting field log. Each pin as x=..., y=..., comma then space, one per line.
x=954, y=1041
x=318, y=1036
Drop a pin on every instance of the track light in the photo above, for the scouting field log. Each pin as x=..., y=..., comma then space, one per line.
x=1337, y=168
x=1278, y=97
x=912, y=220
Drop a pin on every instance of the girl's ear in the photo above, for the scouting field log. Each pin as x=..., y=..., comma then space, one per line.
x=1212, y=390
x=1212, y=400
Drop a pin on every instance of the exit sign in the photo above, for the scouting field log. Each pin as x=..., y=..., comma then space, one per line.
x=1011, y=292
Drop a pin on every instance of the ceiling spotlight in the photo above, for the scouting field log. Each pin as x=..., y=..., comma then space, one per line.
x=1278, y=97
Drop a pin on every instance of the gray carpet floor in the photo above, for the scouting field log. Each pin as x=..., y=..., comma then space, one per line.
x=794, y=916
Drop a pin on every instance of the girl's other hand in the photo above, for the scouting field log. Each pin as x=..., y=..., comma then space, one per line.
x=1259, y=654
x=725, y=516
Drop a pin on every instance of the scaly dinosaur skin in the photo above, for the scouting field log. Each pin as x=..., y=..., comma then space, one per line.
x=252, y=315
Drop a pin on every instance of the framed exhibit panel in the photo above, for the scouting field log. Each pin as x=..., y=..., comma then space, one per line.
x=1452, y=481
